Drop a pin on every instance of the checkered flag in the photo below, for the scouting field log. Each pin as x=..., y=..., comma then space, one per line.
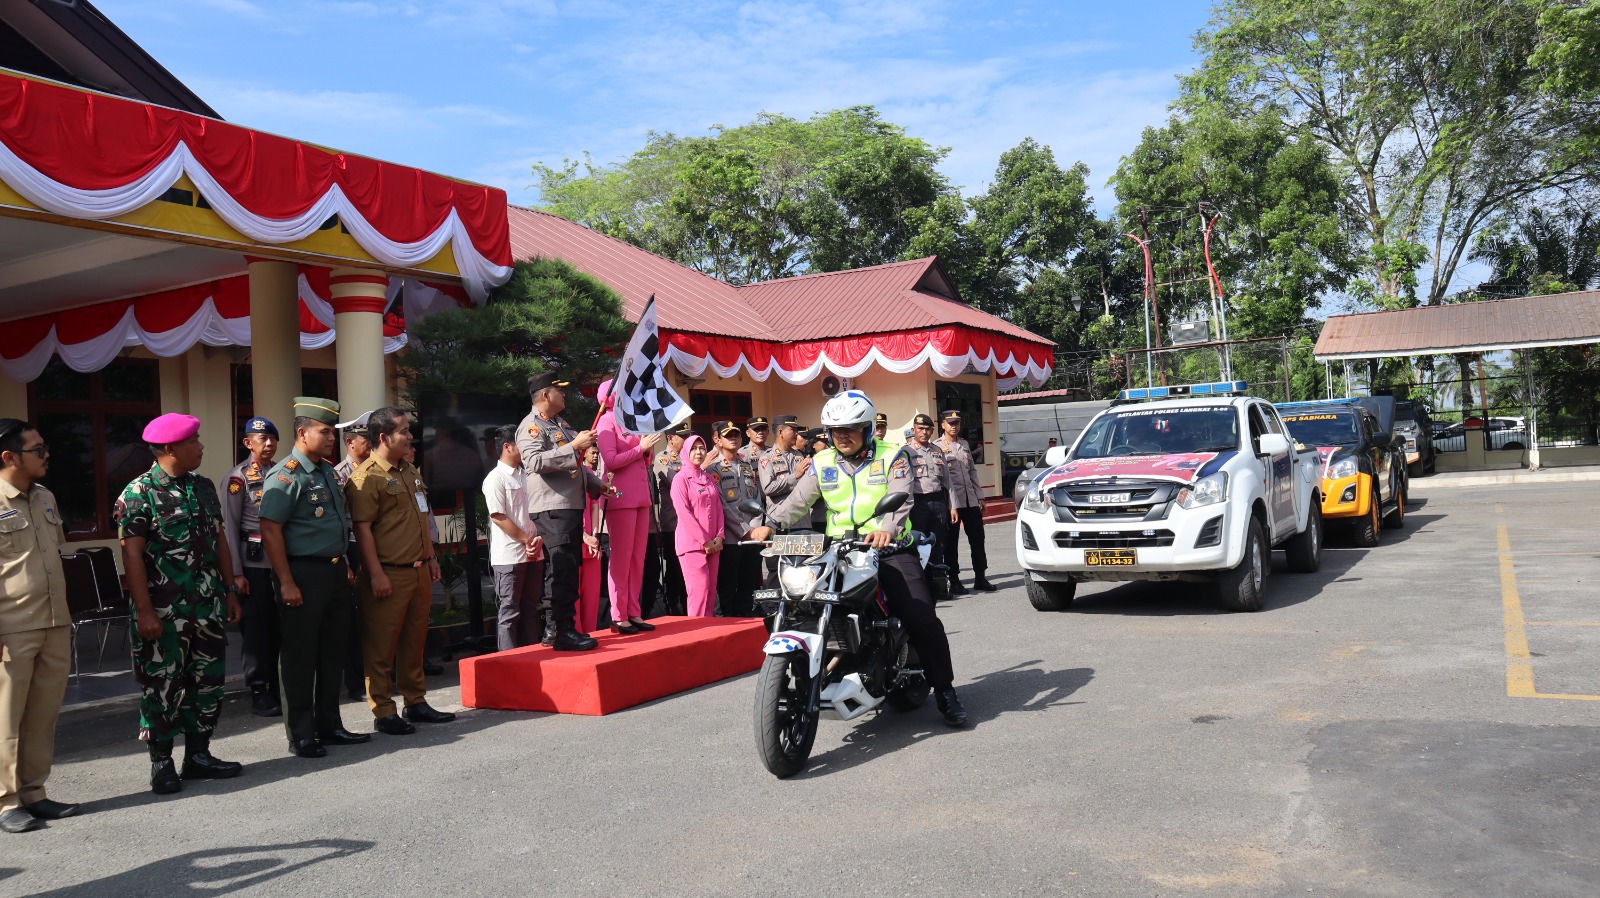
x=646, y=402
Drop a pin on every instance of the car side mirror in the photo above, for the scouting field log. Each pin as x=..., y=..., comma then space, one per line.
x=1272, y=444
x=1055, y=455
x=890, y=503
x=1383, y=440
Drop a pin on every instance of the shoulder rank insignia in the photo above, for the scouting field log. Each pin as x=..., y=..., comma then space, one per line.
x=292, y=465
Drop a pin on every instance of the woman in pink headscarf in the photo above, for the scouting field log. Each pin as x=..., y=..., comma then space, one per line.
x=698, y=539
x=627, y=459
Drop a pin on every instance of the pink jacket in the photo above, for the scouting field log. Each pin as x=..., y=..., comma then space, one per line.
x=699, y=505
x=623, y=458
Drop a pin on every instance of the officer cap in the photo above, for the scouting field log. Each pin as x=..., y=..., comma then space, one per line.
x=880, y=418
x=950, y=414
x=759, y=422
x=357, y=427
x=260, y=425
x=323, y=411
x=786, y=421
x=171, y=428
x=922, y=421
x=726, y=429
x=544, y=381
x=682, y=430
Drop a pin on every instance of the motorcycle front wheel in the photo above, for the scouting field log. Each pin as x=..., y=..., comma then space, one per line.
x=784, y=729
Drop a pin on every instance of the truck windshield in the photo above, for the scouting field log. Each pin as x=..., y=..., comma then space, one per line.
x=1323, y=429
x=1168, y=431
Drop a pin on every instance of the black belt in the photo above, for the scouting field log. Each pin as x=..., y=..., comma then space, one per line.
x=940, y=496
x=319, y=559
x=409, y=565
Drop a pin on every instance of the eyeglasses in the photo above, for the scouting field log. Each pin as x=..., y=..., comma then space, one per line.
x=42, y=451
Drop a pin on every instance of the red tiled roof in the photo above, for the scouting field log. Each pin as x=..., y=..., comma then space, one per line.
x=811, y=307
x=686, y=299
x=1562, y=319
x=848, y=303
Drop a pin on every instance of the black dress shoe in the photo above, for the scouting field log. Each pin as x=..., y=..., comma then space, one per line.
x=422, y=712
x=19, y=820
x=625, y=629
x=202, y=765
x=45, y=809
x=639, y=624
x=956, y=589
x=394, y=726
x=308, y=748
x=164, y=777
x=983, y=585
x=431, y=669
x=265, y=704
x=342, y=736
x=950, y=707
x=573, y=641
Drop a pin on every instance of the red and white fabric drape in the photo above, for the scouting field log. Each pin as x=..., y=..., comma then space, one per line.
x=169, y=323
x=90, y=156
x=950, y=350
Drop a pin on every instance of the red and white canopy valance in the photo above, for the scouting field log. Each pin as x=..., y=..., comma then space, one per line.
x=91, y=156
x=216, y=313
x=950, y=350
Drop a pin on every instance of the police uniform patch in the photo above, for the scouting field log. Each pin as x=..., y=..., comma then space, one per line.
x=533, y=431
x=319, y=512
x=732, y=494
x=235, y=486
x=830, y=475
x=899, y=468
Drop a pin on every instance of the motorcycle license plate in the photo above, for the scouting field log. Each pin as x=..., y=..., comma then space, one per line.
x=1110, y=557
x=804, y=545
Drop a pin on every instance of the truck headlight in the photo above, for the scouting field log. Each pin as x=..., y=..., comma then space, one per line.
x=1344, y=467
x=1034, y=500
x=797, y=579
x=1205, y=491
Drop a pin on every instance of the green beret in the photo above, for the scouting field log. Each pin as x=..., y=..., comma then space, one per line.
x=324, y=411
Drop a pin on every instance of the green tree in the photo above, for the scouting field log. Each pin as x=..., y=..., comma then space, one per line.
x=1438, y=114
x=769, y=199
x=548, y=317
x=1278, y=244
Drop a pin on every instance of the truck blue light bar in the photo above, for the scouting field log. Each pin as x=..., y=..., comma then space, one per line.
x=1220, y=388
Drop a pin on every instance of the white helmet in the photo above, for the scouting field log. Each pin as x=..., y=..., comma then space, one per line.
x=851, y=408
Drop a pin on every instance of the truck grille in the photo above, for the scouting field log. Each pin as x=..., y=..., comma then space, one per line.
x=1112, y=501
x=1113, y=539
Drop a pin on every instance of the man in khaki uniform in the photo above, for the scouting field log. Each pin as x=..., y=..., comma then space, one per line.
x=394, y=590
x=35, y=628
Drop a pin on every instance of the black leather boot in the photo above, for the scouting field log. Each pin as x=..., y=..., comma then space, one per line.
x=163, y=775
x=264, y=703
x=198, y=763
x=982, y=584
x=950, y=707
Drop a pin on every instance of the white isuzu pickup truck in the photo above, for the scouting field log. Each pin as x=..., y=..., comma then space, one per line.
x=1195, y=483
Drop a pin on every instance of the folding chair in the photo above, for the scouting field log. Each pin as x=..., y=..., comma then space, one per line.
x=108, y=583
x=83, y=601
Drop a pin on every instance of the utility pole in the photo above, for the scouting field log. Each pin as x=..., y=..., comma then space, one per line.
x=1149, y=278
x=1221, y=304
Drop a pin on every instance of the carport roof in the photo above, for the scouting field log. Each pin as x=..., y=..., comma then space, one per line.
x=1529, y=322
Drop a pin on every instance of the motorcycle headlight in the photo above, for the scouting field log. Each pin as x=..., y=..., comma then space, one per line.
x=1344, y=467
x=1034, y=500
x=798, y=579
x=1205, y=491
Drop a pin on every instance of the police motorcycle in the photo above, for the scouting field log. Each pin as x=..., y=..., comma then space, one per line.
x=834, y=651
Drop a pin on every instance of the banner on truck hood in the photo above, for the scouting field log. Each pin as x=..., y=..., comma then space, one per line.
x=1184, y=468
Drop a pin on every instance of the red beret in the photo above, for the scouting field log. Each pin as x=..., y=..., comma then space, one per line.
x=171, y=428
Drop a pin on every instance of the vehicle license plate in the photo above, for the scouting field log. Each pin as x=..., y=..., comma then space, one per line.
x=1109, y=498
x=804, y=545
x=1110, y=557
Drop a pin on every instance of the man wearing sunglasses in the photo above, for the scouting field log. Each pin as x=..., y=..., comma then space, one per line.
x=35, y=624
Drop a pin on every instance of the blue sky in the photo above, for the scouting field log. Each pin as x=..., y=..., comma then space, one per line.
x=481, y=89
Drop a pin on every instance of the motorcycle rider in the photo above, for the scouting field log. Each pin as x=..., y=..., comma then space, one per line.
x=851, y=477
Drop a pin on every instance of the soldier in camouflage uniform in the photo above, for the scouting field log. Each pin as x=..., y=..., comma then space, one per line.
x=175, y=556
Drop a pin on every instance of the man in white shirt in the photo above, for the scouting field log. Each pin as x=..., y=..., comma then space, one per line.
x=513, y=549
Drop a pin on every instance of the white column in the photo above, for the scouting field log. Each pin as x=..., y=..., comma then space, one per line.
x=275, y=341
x=359, y=300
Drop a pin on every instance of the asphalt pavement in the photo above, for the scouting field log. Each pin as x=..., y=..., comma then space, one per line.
x=1417, y=719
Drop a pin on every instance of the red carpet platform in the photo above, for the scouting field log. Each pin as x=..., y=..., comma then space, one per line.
x=683, y=652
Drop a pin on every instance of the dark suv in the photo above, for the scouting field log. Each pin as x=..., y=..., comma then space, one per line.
x=1413, y=432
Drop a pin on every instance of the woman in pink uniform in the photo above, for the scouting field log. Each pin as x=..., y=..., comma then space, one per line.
x=696, y=498
x=627, y=459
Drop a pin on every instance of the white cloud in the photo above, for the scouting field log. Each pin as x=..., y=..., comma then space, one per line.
x=243, y=8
